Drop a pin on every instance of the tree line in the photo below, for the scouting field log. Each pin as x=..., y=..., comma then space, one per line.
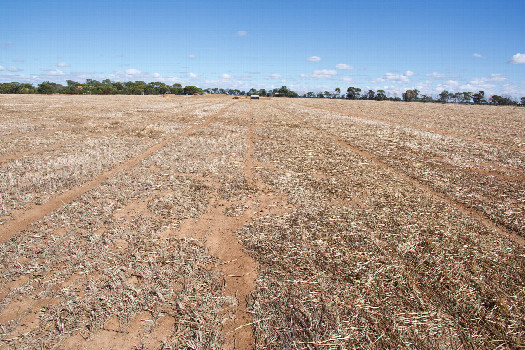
x=104, y=87
x=108, y=87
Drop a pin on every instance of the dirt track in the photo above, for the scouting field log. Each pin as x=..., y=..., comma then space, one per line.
x=206, y=222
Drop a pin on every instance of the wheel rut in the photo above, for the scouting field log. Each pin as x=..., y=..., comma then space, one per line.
x=467, y=211
x=218, y=232
x=28, y=217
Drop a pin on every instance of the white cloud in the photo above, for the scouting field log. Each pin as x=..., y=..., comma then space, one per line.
x=395, y=78
x=324, y=73
x=55, y=72
x=343, y=66
x=477, y=55
x=436, y=75
x=156, y=75
x=191, y=75
x=13, y=69
x=347, y=79
x=2, y=68
x=276, y=76
x=226, y=76
x=496, y=77
x=63, y=64
x=242, y=33
x=518, y=58
x=191, y=57
x=313, y=59
x=133, y=71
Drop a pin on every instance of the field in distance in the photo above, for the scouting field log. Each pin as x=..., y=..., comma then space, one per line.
x=204, y=222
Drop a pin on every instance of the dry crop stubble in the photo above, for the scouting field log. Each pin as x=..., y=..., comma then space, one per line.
x=347, y=252
x=428, y=274
x=444, y=163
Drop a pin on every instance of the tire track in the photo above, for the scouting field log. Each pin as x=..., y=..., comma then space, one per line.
x=469, y=212
x=218, y=232
x=28, y=217
x=424, y=128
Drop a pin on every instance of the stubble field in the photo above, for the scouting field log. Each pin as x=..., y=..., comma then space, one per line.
x=204, y=222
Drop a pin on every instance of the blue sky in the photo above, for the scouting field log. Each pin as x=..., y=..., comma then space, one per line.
x=306, y=45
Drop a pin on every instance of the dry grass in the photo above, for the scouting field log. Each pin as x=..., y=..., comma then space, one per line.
x=361, y=250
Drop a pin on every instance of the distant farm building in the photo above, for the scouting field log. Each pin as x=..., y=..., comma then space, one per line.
x=254, y=97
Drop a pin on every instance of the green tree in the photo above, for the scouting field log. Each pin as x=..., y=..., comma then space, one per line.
x=444, y=96
x=352, y=93
x=479, y=98
x=337, y=92
x=380, y=95
x=370, y=95
x=410, y=95
x=190, y=90
x=47, y=87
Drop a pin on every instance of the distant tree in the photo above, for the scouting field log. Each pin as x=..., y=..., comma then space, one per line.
x=467, y=97
x=444, y=96
x=352, y=93
x=502, y=101
x=320, y=95
x=252, y=91
x=337, y=92
x=426, y=98
x=190, y=90
x=177, y=89
x=523, y=101
x=410, y=95
x=479, y=98
x=327, y=94
x=47, y=87
x=380, y=95
x=310, y=94
x=370, y=95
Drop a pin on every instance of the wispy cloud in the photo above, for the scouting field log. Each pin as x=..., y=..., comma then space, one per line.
x=53, y=72
x=276, y=76
x=313, y=59
x=6, y=45
x=320, y=74
x=518, y=58
x=347, y=79
x=226, y=76
x=191, y=75
x=191, y=57
x=13, y=69
x=436, y=75
x=2, y=68
x=395, y=78
x=63, y=64
x=133, y=71
x=242, y=33
x=477, y=55
x=343, y=66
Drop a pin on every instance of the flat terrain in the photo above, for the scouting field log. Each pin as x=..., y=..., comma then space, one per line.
x=203, y=222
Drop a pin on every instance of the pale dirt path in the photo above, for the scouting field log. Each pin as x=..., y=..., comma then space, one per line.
x=27, y=217
x=419, y=127
x=469, y=212
x=218, y=232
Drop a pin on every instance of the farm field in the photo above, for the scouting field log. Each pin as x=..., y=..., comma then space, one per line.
x=203, y=222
